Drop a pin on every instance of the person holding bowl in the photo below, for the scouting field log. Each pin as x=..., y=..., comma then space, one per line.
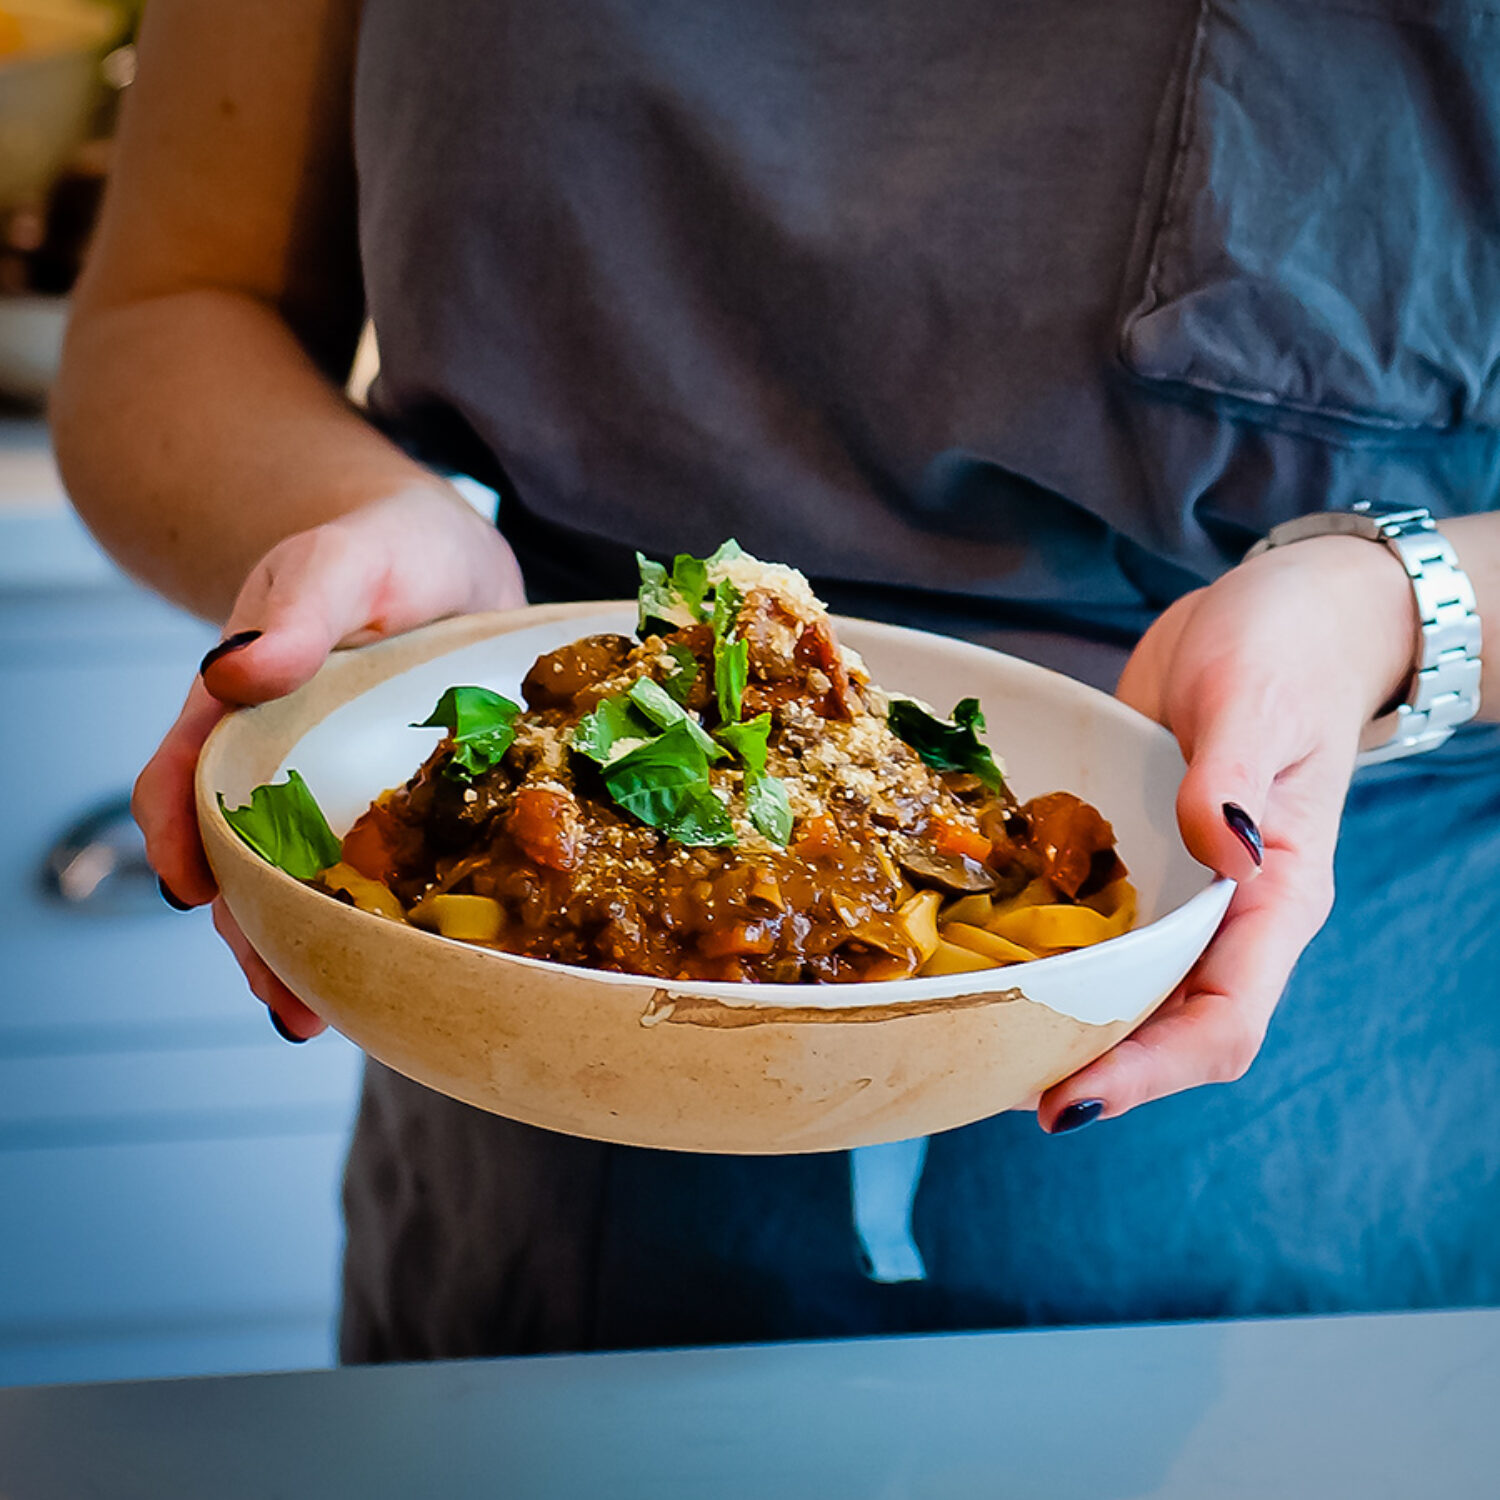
x=1022, y=323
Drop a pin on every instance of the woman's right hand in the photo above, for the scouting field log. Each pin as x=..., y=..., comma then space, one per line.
x=389, y=566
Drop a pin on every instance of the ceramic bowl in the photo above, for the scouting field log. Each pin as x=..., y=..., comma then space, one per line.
x=724, y=1067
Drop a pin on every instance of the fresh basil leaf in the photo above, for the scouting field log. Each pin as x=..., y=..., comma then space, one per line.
x=690, y=579
x=748, y=740
x=770, y=811
x=944, y=744
x=655, y=599
x=731, y=672
x=679, y=682
x=665, y=784
x=283, y=823
x=726, y=610
x=731, y=657
x=481, y=724
x=657, y=704
x=672, y=599
x=615, y=720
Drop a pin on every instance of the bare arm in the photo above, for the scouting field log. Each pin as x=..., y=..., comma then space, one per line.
x=200, y=420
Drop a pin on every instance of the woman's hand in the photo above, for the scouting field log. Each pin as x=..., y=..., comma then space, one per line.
x=387, y=567
x=1267, y=678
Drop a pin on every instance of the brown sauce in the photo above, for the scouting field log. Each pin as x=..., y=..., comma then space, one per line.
x=581, y=882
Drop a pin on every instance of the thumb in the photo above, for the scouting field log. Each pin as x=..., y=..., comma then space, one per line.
x=1236, y=743
x=389, y=567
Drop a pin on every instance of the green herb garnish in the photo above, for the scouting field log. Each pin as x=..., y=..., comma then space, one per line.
x=654, y=755
x=947, y=744
x=748, y=740
x=679, y=597
x=665, y=712
x=770, y=811
x=671, y=599
x=731, y=657
x=679, y=682
x=664, y=783
x=283, y=823
x=616, y=719
x=765, y=796
x=481, y=724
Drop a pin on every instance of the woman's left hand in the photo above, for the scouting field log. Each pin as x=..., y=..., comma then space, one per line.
x=1267, y=678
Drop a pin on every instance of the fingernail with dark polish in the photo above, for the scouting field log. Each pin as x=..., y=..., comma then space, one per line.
x=235, y=642
x=281, y=1030
x=1242, y=826
x=170, y=896
x=1076, y=1116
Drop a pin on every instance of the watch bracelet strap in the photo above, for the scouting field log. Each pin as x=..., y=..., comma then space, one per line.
x=1445, y=682
x=1445, y=687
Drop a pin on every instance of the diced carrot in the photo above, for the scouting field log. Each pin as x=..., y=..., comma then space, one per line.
x=954, y=838
x=737, y=939
x=820, y=835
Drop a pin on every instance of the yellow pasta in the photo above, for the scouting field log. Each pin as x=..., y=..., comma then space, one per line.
x=1117, y=902
x=974, y=932
x=368, y=895
x=975, y=910
x=987, y=944
x=1062, y=926
x=919, y=917
x=951, y=959
x=476, y=919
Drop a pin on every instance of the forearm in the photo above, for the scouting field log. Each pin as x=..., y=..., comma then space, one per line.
x=194, y=434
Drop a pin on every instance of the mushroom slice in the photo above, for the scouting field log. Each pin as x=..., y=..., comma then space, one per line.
x=955, y=873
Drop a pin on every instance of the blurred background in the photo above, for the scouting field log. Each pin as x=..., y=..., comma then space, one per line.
x=169, y=1168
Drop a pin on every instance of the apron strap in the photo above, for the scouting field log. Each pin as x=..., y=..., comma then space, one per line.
x=883, y=1183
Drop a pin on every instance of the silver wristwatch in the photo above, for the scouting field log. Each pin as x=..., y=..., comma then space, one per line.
x=1445, y=685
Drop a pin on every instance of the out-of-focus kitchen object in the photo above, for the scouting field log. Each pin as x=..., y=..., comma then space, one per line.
x=31, y=335
x=169, y=1167
x=49, y=84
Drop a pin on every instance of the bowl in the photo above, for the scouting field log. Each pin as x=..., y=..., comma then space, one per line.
x=745, y=1068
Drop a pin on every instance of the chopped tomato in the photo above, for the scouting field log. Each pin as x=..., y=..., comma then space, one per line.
x=372, y=846
x=545, y=823
x=817, y=648
x=1068, y=834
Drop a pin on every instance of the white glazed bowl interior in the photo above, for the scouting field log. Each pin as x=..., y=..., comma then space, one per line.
x=1052, y=734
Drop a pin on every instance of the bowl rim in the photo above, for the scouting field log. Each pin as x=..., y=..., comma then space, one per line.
x=460, y=631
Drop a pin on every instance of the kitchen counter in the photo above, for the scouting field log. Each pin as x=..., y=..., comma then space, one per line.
x=1400, y=1406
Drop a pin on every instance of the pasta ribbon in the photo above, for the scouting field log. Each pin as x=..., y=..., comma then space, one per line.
x=1058, y=926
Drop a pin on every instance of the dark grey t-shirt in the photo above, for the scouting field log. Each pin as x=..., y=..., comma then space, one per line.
x=1023, y=313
